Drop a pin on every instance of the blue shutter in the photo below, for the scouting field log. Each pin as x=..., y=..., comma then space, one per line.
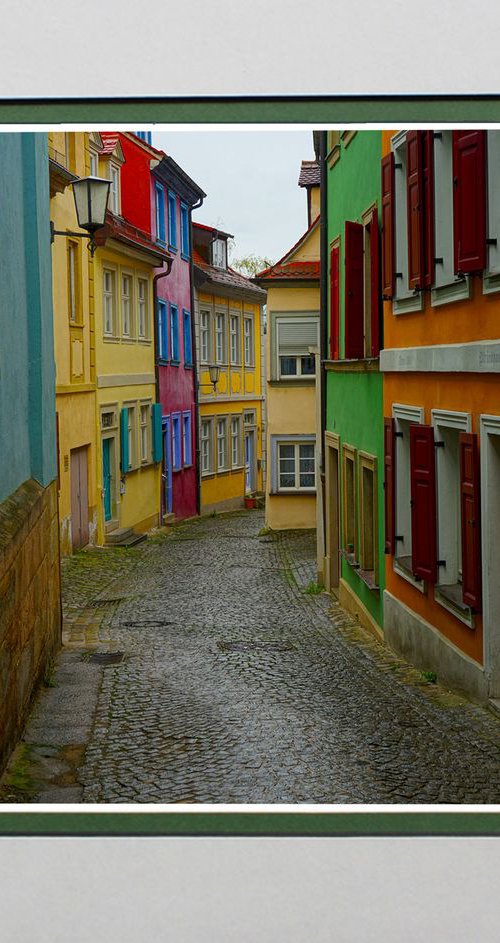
x=160, y=214
x=188, y=357
x=124, y=456
x=157, y=432
x=172, y=221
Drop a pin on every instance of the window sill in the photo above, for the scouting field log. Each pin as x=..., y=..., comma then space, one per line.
x=172, y=248
x=402, y=566
x=145, y=341
x=368, y=577
x=491, y=282
x=349, y=558
x=301, y=381
x=175, y=470
x=188, y=366
x=408, y=304
x=162, y=243
x=189, y=465
x=363, y=365
x=163, y=361
x=184, y=257
x=450, y=598
x=175, y=363
x=208, y=474
x=458, y=290
x=297, y=492
x=111, y=339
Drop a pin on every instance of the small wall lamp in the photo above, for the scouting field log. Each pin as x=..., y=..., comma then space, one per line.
x=91, y=196
x=214, y=372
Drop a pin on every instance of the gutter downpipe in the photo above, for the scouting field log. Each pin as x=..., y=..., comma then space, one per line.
x=156, y=279
x=323, y=321
x=195, y=206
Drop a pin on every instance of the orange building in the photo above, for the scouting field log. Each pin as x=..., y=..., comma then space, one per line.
x=441, y=366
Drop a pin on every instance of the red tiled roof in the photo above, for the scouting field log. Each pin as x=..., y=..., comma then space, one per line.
x=281, y=262
x=220, y=232
x=227, y=277
x=309, y=174
x=308, y=271
x=109, y=141
x=118, y=228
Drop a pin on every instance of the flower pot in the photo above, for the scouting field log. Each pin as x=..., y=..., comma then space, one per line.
x=249, y=502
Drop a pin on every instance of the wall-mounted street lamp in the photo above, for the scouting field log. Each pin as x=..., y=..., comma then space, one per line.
x=214, y=372
x=91, y=196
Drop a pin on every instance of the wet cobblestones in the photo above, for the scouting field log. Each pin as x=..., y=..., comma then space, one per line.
x=239, y=685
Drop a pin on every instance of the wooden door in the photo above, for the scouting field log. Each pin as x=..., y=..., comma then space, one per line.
x=107, y=479
x=79, y=497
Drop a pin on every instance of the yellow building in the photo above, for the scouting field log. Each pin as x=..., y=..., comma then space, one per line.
x=229, y=333
x=293, y=301
x=128, y=436
x=74, y=342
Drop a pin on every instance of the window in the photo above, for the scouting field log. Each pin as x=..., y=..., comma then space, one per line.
x=219, y=253
x=296, y=466
x=248, y=334
x=94, y=163
x=160, y=214
x=126, y=305
x=294, y=336
x=132, y=436
x=145, y=429
x=172, y=221
x=221, y=444
x=174, y=334
x=114, y=190
x=395, y=208
x=362, y=305
x=205, y=345
x=368, y=519
x=184, y=231
x=109, y=302
x=220, y=338
x=206, y=446
x=162, y=331
x=397, y=486
x=234, y=338
x=142, y=309
x=235, y=441
x=186, y=439
x=74, y=296
x=349, y=502
x=186, y=322
x=446, y=284
x=249, y=417
x=176, y=442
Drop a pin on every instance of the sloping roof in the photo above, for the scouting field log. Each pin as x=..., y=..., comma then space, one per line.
x=227, y=278
x=302, y=271
x=118, y=228
x=109, y=141
x=284, y=263
x=213, y=229
x=309, y=174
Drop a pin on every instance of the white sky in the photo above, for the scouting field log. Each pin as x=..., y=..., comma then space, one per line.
x=250, y=178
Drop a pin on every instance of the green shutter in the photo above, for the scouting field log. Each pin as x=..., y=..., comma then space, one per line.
x=124, y=456
x=157, y=437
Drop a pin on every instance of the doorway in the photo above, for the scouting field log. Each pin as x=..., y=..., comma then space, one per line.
x=332, y=491
x=167, y=501
x=108, y=478
x=79, y=497
x=249, y=462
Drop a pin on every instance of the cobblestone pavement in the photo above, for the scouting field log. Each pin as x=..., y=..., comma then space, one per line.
x=238, y=683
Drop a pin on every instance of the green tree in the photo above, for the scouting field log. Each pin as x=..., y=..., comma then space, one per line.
x=251, y=264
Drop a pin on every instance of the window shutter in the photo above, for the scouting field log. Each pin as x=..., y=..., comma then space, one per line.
x=296, y=336
x=471, y=520
x=423, y=502
x=354, y=300
x=414, y=204
x=428, y=198
x=469, y=200
x=388, y=244
x=334, y=302
x=157, y=432
x=124, y=456
x=390, y=485
x=375, y=284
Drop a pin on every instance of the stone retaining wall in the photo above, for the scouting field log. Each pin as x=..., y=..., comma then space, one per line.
x=30, y=610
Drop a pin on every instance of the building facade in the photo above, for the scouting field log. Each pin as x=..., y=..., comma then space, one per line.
x=293, y=301
x=441, y=282
x=229, y=334
x=30, y=606
x=354, y=563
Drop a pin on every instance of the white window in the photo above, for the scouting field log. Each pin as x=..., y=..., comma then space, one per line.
x=294, y=338
x=114, y=190
x=94, y=163
x=109, y=302
x=368, y=518
x=205, y=336
x=220, y=338
x=248, y=330
x=235, y=441
x=132, y=435
x=221, y=444
x=447, y=285
x=404, y=416
x=219, y=253
x=145, y=432
x=234, y=337
x=296, y=466
x=206, y=446
x=126, y=305
x=142, y=309
x=405, y=299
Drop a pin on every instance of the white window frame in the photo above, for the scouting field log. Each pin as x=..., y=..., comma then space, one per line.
x=248, y=333
x=132, y=435
x=145, y=432
x=123, y=302
x=297, y=445
x=94, y=162
x=143, y=309
x=187, y=419
x=115, y=188
x=221, y=439
x=234, y=338
x=206, y=445
x=294, y=376
x=491, y=275
x=205, y=338
x=220, y=355
x=111, y=296
x=219, y=253
x=447, y=285
x=235, y=432
x=405, y=299
x=404, y=415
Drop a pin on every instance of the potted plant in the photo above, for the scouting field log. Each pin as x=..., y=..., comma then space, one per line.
x=249, y=501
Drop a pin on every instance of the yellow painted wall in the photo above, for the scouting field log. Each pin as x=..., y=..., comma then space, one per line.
x=315, y=202
x=307, y=252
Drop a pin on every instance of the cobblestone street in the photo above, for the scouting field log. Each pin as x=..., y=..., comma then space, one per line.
x=204, y=666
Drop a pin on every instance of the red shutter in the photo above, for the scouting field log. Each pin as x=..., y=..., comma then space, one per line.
x=428, y=195
x=414, y=204
x=469, y=200
x=375, y=284
x=470, y=510
x=423, y=502
x=334, y=302
x=354, y=291
x=388, y=244
x=390, y=485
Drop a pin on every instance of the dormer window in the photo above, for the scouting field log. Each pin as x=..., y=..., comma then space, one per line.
x=219, y=253
x=114, y=190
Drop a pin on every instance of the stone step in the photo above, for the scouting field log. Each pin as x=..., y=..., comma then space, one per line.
x=123, y=537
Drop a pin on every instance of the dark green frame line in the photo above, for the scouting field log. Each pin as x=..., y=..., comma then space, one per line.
x=257, y=824
x=276, y=109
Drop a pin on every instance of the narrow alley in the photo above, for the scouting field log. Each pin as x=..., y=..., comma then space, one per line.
x=205, y=665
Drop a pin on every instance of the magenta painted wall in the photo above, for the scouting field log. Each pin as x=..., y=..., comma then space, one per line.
x=177, y=392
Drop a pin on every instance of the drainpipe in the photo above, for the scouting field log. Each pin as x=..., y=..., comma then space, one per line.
x=323, y=307
x=156, y=279
x=195, y=206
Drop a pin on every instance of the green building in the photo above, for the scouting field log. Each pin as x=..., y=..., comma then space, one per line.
x=353, y=504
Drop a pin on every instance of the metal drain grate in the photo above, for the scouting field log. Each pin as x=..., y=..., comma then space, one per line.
x=256, y=646
x=106, y=658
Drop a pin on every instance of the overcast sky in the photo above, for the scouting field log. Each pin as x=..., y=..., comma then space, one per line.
x=250, y=178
